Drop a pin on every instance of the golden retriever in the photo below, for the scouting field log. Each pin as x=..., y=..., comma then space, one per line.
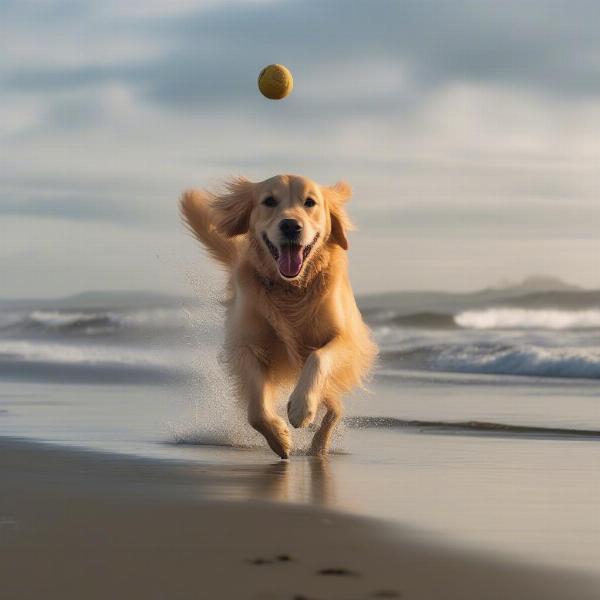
x=291, y=315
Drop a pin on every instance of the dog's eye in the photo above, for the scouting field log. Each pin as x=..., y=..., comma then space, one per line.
x=270, y=201
x=310, y=202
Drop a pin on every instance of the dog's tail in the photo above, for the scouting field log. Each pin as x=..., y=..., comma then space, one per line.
x=196, y=212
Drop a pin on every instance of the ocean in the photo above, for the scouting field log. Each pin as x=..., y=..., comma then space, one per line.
x=140, y=338
x=481, y=423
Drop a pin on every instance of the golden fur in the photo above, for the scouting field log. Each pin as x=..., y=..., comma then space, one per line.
x=304, y=330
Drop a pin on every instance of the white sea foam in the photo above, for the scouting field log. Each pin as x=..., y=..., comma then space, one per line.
x=520, y=318
x=54, y=319
x=26, y=352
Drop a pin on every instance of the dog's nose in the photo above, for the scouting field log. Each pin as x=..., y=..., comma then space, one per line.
x=290, y=228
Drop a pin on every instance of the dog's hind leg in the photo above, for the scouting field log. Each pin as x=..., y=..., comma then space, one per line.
x=258, y=393
x=322, y=438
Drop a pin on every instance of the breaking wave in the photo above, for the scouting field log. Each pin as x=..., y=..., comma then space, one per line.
x=22, y=359
x=500, y=359
x=56, y=322
x=520, y=318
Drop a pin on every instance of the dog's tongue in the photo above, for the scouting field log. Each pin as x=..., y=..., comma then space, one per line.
x=290, y=260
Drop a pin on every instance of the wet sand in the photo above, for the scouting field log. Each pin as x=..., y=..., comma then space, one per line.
x=77, y=524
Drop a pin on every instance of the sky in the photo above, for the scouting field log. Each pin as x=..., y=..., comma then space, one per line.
x=467, y=129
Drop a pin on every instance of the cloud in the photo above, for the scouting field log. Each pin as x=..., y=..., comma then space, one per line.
x=211, y=56
x=462, y=120
x=547, y=46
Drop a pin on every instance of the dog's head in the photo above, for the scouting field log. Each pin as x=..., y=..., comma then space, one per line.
x=290, y=217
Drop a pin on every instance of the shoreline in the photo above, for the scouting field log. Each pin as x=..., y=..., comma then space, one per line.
x=80, y=524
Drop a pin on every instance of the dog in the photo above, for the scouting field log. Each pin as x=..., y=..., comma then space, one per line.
x=291, y=317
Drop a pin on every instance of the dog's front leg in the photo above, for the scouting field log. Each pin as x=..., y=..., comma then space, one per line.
x=308, y=393
x=258, y=392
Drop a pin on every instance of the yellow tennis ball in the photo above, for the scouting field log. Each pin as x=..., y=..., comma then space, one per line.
x=275, y=82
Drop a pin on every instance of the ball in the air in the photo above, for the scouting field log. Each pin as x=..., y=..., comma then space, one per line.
x=275, y=82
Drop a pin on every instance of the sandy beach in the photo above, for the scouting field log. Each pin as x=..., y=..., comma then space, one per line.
x=78, y=524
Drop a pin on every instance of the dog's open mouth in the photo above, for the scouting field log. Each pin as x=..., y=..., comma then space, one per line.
x=290, y=256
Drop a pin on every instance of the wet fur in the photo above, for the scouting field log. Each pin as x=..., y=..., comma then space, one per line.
x=307, y=332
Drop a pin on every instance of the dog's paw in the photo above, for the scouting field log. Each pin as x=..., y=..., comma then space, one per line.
x=301, y=410
x=280, y=439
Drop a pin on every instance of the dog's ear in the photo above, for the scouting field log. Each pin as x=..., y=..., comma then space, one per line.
x=232, y=209
x=337, y=196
